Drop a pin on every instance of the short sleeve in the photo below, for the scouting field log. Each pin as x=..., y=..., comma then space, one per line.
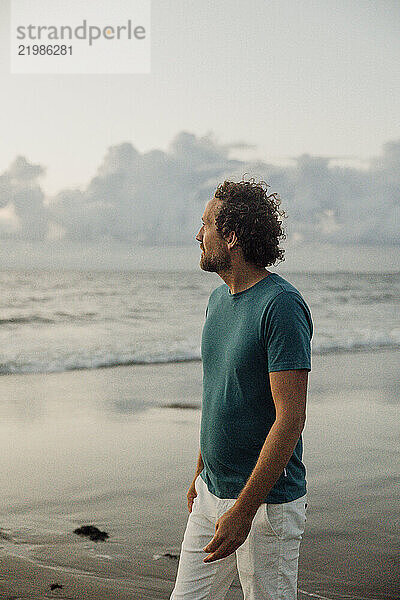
x=287, y=333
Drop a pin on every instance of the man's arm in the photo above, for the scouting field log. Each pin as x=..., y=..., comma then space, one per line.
x=200, y=465
x=191, y=495
x=289, y=392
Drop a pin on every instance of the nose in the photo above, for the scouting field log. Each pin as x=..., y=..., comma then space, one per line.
x=199, y=236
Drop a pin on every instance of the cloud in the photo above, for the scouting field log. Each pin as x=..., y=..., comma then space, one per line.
x=153, y=198
x=156, y=198
x=20, y=191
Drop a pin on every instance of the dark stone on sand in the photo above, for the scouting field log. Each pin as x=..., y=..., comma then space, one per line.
x=92, y=532
x=4, y=535
x=169, y=555
x=55, y=586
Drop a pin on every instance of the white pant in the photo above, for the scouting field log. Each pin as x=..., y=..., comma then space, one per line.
x=267, y=562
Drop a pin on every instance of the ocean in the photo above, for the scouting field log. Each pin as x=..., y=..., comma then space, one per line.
x=64, y=320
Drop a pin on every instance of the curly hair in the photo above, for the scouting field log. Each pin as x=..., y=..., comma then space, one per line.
x=254, y=217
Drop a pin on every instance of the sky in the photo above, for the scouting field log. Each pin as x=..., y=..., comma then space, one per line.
x=304, y=94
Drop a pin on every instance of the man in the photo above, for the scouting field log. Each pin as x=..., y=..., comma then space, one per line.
x=247, y=501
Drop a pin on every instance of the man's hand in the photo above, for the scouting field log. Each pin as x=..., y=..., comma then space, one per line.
x=231, y=530
x=191, y=495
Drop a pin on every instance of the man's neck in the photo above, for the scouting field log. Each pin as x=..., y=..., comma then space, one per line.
x=240, y=279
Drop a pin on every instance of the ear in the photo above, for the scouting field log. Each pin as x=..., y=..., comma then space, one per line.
x=231, y=239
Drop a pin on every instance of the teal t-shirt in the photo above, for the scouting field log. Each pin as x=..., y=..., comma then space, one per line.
x=246, y=335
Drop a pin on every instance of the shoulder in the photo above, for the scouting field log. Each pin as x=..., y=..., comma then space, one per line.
x=281, y=292
x=287, y=299
x=279, y=284
x=285, y=304
x=287, y=311
x=278, y=293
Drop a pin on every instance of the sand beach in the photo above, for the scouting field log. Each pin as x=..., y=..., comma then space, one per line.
x=116, y=448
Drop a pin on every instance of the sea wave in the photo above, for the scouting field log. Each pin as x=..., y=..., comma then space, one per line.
x=68, y=363
x=25, y=320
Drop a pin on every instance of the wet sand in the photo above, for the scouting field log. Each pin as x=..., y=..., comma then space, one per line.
x=117, y=447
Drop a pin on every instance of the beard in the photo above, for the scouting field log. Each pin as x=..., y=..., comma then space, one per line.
x=215, y=262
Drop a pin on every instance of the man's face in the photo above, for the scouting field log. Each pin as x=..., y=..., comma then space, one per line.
x=215, y=257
